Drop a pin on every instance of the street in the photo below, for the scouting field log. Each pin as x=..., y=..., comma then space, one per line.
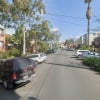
x=60, y=77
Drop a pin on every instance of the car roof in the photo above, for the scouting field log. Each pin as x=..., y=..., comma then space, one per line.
x=16, y=58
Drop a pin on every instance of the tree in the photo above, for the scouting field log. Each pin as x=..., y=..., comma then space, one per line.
x=45, y=30
x=8, y=39
x=18, y=38
x=42, y=46
x=4, y=12
x=55, y=36
x=96, y=42
x=25, y=17
x=27, y=12
x=40, y=34
x=69, y=43
x=22, y=13
x=88, y=16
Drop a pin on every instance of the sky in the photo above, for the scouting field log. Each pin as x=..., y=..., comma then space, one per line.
x=69, y=17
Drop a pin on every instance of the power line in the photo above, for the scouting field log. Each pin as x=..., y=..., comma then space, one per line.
x=56, y=15
x=61, y=15
x=52, y=14
x=64, y=21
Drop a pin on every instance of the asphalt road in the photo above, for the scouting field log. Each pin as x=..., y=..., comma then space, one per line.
x=60, y=77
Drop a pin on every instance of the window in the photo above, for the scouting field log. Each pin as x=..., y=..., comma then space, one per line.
x=8, y=66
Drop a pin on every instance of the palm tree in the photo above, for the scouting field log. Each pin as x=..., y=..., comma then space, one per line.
x=88, y=16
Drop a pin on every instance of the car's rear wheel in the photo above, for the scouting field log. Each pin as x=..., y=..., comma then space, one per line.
x=7, y=85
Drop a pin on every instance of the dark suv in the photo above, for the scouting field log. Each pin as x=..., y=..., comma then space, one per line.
x=16, y=71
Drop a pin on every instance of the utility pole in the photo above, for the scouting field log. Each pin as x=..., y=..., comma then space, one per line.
x=88, y=16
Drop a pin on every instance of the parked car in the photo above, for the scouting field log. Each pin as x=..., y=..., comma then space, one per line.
x=38, y=58
x=70, y=49
x=44, y=56
x=16, y=71
x=51, y=51
x=81, y=53
x=93, y=54
x=54, y=51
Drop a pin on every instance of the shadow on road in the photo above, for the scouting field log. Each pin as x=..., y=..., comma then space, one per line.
x=8, y=94
x=21, y=85
x=73, y=57
x=12, y=95
x=31, y=98
x=68, y=65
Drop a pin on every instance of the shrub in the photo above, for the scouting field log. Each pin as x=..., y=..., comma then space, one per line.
x=42, y=46
x=5, y=55
x=92, y=63
x=14, y=52
x=97, y=64
x=85, y=47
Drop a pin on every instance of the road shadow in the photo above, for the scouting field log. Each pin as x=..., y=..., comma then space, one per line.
x=12, y=95
x=28, y=98
x=21, y=85
x=98, y=73
x=75, y=66
x=8, y=94
x=73, y=57
x=32, y=98
x=67, y=65
x=77, y=58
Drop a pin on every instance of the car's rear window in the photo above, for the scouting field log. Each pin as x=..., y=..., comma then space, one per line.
x=41, y=55
x=22, y=63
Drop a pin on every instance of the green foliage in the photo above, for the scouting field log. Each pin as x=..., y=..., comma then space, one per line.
x=85, y=47
x=45, y=30
x=19, y=10
x=22, y=13
x=9, y=54
x=18, y=37
x=14, y=52
x=42, y=46
x=92, y=63
x=5, y=55
x=69, y=42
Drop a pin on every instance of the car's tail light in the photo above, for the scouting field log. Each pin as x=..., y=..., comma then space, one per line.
x=14, y=76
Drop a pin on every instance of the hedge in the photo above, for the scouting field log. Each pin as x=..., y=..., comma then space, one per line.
x=93, y=63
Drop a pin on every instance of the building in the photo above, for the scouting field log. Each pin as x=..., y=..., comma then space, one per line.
x=84, y=38
x=93, y=36
x=2, y=39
